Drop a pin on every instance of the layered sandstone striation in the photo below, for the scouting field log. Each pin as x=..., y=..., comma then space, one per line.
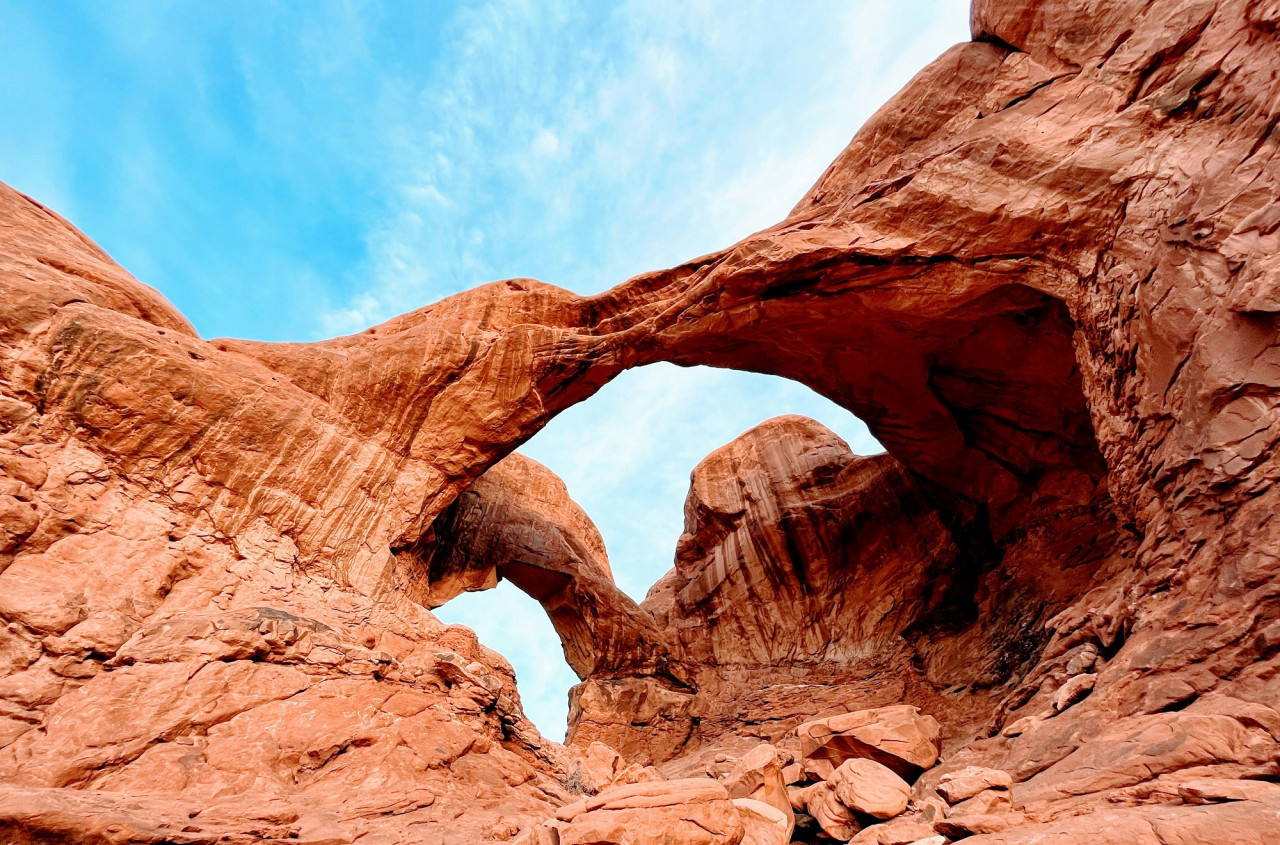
x=1044, y=274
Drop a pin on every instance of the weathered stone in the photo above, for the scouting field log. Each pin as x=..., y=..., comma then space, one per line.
x=834, y=818
x=965, y=783
x=598, y=767
x=1073, y=690
x=1214, y=790
x=1044, y=274
x=900, y=832
x=986, y=802
x=898, y=737
x=868, y=787
x=958, y=826
x=758, y=776
x=696, y=811
x=764, y=824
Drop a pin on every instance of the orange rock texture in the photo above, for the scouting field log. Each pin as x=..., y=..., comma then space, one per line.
x=1044, y=274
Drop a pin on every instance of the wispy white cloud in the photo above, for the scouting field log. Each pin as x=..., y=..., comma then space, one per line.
x=593, y=142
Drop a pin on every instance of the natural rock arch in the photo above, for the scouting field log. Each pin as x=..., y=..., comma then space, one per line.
x=1090, y=194
x=974, y=387
x=517, y=522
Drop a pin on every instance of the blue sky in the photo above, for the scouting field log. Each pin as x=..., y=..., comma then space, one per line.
x=292, y=171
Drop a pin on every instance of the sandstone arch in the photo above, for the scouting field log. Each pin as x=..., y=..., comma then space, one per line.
x=1055, y=246
x=517, y=522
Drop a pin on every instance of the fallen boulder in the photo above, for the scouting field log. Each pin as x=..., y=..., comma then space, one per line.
x=758, y=776
x=870, y=787
x=898, y=737
x=598, y=767
x=965, y=783
x=690, y=811
x=764, y=824
x=985, y=802
x=834, y=818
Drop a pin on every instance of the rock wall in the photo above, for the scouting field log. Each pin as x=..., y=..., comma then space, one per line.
x=1044, y=274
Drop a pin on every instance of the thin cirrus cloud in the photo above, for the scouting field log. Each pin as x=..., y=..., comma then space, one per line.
x=290, y=174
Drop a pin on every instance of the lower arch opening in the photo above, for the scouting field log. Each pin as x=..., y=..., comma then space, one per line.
x=515, y=625
x=625, y=458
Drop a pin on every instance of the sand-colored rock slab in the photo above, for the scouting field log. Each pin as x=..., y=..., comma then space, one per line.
x=965, y=783
x=899, y=832
x=898, y=737
x=1215, y=790
x=694, y=810
x=1236, y=822
x=868, y=787
x=958, y=826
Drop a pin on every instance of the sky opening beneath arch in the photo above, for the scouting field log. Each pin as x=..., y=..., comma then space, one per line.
x=290, y=171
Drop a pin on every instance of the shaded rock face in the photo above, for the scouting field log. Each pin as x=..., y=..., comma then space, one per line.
x=518, y=522
x=1044, y=273
x=796, y=550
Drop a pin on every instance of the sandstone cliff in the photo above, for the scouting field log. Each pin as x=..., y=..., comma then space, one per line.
x=1045, y=275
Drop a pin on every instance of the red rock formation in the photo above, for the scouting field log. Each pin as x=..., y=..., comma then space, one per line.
x=165, y=677
x=518, y=522
x=795, y=550
x=797, y=555
x=1044, y=274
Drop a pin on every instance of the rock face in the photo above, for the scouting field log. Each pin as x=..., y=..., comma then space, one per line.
x=796, y=553
x=1044, y=273
x=517, y=522
x=795, y=550
x=696, y=811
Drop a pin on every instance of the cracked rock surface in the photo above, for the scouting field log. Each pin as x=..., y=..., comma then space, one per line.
x=1045, y=274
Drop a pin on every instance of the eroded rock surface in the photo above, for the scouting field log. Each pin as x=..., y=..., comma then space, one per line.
x=1044, y=273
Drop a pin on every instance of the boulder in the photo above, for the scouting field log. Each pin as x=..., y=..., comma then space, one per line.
x=834, y=818
x=546, y=833
x=690, y=811
x=869, y=787
x=965, y=783
x=758, y=776
x=898, y=737
x=1075, y=689
x=985, y=802
x=764, y=824
x=598, y=767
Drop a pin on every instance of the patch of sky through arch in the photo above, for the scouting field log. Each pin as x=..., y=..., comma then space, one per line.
x=625, y=454
x=290, y=172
